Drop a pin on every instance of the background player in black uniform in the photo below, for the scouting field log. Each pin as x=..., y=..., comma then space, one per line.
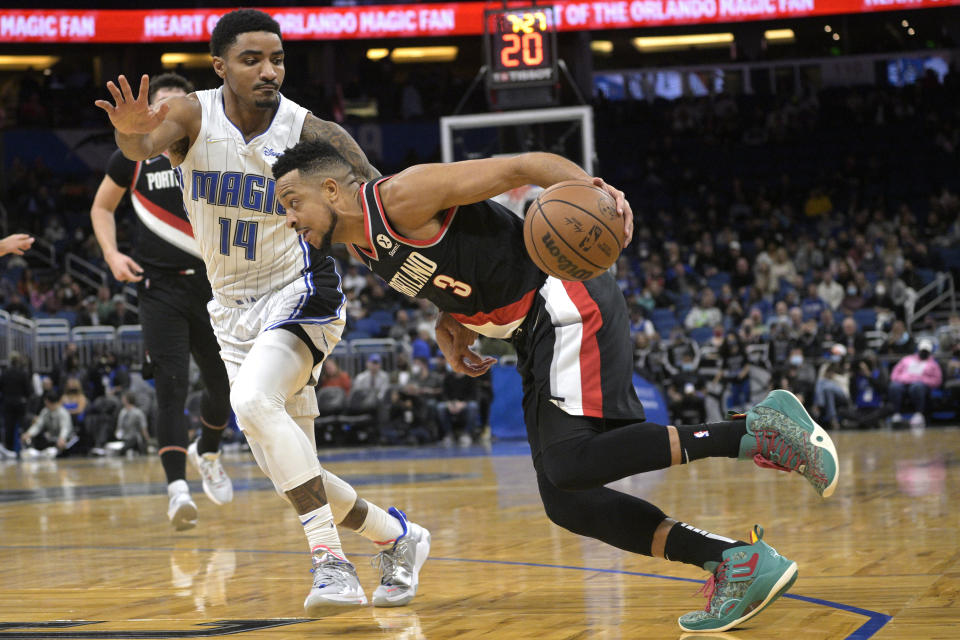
x=173, y=292
x=429, y=232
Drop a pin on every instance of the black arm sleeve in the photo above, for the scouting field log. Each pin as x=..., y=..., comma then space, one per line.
x=121, y=169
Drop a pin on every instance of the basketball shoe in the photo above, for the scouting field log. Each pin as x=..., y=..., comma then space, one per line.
x=400, y=565
x=782, y=435
x=182, y=510
x=746, y=582
x=335, y=585
x=216, y=482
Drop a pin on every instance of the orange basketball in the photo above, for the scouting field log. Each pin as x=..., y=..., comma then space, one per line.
x=573, y=231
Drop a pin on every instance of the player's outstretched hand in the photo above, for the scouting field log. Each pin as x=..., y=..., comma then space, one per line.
x=123, y=267
x=623, y=208
x=16, y=243
x=455, y=341
x=132, y=115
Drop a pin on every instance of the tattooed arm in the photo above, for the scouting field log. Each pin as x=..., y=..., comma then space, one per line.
x=316, y=129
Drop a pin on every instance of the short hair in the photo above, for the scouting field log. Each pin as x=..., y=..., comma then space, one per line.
x=236, y=22
x=130, y=397
x=168, y=81
x=51, y=396
x=310, y=156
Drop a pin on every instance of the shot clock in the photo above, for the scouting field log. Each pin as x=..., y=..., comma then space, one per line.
x=521, y=47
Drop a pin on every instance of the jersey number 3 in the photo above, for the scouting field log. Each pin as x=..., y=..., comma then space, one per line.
x=244, y=236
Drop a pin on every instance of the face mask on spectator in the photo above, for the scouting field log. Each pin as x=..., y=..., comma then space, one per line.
x=851, y=291
x=881, y=290
x=903, y=338
x=796, y=359
x=686, y=366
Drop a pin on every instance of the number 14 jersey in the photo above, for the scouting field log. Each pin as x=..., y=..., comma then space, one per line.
x=230, y=197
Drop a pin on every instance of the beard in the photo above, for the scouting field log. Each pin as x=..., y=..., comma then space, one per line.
x=326, y=242
x=267, y=104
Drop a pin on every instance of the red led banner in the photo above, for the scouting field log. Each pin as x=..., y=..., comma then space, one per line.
x=408, y=20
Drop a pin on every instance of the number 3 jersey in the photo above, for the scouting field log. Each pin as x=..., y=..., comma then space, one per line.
x=230, y=197
x=476, y=268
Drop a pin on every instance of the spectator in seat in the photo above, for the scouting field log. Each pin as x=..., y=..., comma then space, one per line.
x=458, y=412
x=51, y=433
x=898, y=342
x=333, y=376
x=915, y=375
x=132, y=426
x=812, y=305
x=120, y=314
x=687, y=406
x=832, y=390
x=705, y=312
x=796, y=374
x=402, y=330
x=830, y=291
x=75, y=402
x=852, y=338
x=734, y=371
x=870, y=383
x=891, y=291
x=373, y=377
x=828, y=330
x=742, y=275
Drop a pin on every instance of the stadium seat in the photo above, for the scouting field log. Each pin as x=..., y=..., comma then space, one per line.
x=866, y=319
x=701, y=334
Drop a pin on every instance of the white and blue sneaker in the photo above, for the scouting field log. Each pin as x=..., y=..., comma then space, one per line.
x=335, y=585
x=400, y=565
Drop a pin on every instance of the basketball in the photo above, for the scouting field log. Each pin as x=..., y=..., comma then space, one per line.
x=572, y=231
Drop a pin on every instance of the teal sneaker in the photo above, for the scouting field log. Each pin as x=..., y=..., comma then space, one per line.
x=782, y=435
x=745, y=583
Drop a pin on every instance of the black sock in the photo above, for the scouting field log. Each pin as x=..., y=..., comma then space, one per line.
x=716, y=439
x=174, y=465
x=686, y=543
x=209, y=439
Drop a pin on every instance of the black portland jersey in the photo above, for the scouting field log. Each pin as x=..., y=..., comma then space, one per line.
x=476, y=268
x=164, y=235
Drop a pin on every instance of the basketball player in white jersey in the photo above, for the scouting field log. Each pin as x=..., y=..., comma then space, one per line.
x=277, y=308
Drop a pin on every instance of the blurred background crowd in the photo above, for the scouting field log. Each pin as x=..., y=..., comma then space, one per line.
x=807, y=240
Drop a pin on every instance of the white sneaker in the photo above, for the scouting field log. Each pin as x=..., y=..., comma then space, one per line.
x=30, y=453
x=7, y=454
x=400, y=566
x=335, y=585
x=50, y=452
x=464, y=440
x=216, y=482
x=917, y=421
x=182, y=510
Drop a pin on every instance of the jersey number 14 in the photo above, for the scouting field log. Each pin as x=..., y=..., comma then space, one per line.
x=244, y=236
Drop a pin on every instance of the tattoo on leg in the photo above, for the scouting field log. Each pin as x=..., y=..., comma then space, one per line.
x=308, y=496
x=354, y=519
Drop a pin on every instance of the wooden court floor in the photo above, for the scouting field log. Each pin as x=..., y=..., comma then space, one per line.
x=87, y=553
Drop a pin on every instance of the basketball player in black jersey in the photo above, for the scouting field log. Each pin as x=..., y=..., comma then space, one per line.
x=173, y=291
x=430, y=232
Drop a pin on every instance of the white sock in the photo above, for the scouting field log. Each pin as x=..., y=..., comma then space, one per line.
x=379, y=527
x=321, y=532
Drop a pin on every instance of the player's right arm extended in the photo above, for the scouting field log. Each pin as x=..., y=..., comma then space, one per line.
x=143, y=131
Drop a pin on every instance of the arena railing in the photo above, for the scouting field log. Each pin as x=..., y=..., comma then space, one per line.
x=940, y=292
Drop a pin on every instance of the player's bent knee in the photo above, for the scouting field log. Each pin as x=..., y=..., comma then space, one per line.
x=255, y=409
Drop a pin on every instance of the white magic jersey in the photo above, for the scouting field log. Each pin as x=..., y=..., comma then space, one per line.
x=230, y=197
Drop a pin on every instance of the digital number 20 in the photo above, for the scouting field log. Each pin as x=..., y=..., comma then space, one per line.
x=244, y=237
x=529, y=45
